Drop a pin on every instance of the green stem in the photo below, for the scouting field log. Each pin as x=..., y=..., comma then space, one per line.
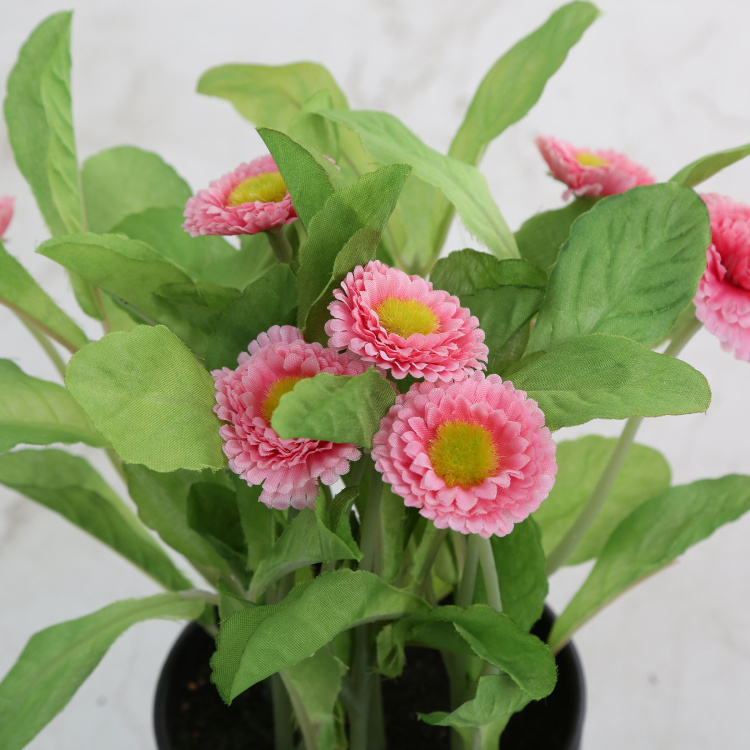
x=106, y=325
x=425, y=554
x=45, y=343
x=282, y=715
x=469, y=576
x=280, y=245
x=489, y=571
x=369, y=536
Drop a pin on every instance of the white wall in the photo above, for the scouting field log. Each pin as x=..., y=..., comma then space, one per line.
x=662, y=80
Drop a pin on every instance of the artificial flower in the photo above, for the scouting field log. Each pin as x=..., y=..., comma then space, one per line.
x=246, y=398
x=6, y=214
x=399, y=323
x=249, y=200
x=722, y=302
x=591, y=173
x=474, y=456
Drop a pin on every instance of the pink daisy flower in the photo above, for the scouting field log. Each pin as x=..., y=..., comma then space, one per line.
x=246, y=398
x=593, y=173
x=473, y=456
x=249, y=200
x=400, y=323
x=6, y=214
x=722, y=302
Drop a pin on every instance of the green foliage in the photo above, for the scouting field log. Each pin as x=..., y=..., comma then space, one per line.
x=629, y=268
x=651, y=537
x=580, y=463
x=339, y=408
x=58, y=659
x=70, y=486
x=150, y=398
x=707, y=166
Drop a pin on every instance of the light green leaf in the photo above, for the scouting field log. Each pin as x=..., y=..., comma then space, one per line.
x=707, y=166
x=40, y=123
x=247, y=649
x=258, y=522
x=580, y=463
x=71, y=487
x=126, y=180
x=390, y=141
x=651, y=537
x=608, y=377
x=516, y=81
x=57, y=660
x=339, y=408
x=150, y=398
x=629, y=268
x=37, y=412
x=24, y=296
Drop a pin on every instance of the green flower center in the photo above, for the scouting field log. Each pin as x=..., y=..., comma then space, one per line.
x=268, y=188
x=587, y=159
x=464, y=454
x=406, y=316
x=275, y=392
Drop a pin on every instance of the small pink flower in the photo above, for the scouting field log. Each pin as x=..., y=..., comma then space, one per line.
x=473, y=456
x=722, y=302
x=400, y=323
x=6, y=213
x=246, y=397
x=593, y=173
x=249, y=200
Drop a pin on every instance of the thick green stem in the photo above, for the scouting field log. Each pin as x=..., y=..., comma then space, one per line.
x=370, y=533
x=425, y=554
x=489, y=571
x=45, y=343
x=282, y=715
x=280, y=245
x=469, y=576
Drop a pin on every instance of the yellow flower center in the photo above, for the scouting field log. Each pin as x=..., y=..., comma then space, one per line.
x=406, y=316
x=275, y=392
x=464, y=454
x=587, y=159
x=268, y=188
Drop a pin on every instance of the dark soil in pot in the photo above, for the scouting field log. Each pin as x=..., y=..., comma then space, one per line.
x=190, y=715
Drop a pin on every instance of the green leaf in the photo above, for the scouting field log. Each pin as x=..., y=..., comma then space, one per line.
x=266, y=302
x=366, y=204
x=629, y=268
x=24, y=296
x=707, y=166
x=390, y=141
x=339, y=408
x=258, y=522
x=580, y=463
x=309, y=127
x=541, y=237
x=212, y=511
x=150, y=398
x=126, y=180
x=58, y=659
x=516, y=81
x=37, y=412
x=608, y=377
x=40, y=123
x=651, y=537
x=70, y=486
x=247, y=649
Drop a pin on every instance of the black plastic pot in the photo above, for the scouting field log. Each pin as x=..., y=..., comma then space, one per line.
x=190, y=715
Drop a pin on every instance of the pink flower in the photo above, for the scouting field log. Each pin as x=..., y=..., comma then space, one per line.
x=473, y=455
x=722, y=302
x=593, y=173
x=6, y=214
x=400, y=323
x=246, y=398
x=249, y=200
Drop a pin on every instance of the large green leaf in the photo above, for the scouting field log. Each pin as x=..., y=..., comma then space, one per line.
x=268, y=301
x=40, y=123
x=126, y=180
x=339, y=408
x=57, y=660
x=608, y=377
x=707, y=166
x=150, y=398
x=390, y=141
x=580, y=463
x=516, y=81
x=23, y=295
x=37, y=412
x=630, y=267
x=70, y=486
x=651, y=537
x=248, y=647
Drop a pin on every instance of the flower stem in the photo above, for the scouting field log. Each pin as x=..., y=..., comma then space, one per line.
x=282, y=715
x=280, y=245
x=489, y=571
x=46, y=344
x=469, y=576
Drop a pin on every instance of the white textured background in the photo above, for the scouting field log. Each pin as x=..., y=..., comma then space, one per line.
x=666, y=81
